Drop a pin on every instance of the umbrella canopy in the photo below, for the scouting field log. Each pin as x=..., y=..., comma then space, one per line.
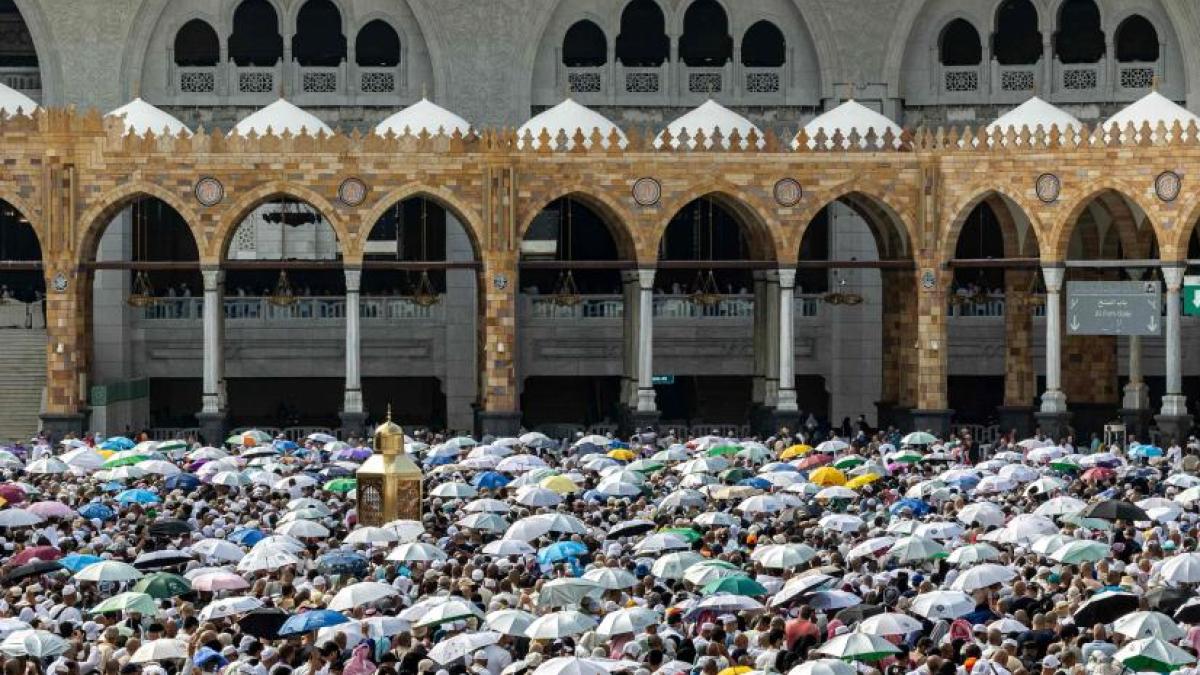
x=161, y=585
x=310, y=621
x=38, y=644
x=128, y=602
x=460, y=646
x=263, y=623
x=1114, y=509
x=889, y=623
x=1148, y=654
x=559, y=625
x=109, y=570
x=1105, y=608
x=949, y=605
x=362, y=593
x=1148, y=624
x=858, y=647
x=509, y=621
x=162, y=649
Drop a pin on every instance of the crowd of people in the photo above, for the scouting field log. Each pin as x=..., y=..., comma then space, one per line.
x=532, y=556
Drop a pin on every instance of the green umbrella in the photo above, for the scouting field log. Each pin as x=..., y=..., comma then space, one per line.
x=849, y=461
x=732, y=476
x=918, y=438
x=342, y=485
x=723, y=451
x=1089, y=523
x=646, y=466
x=128, y=460
x=1064, y=464
x=906, y=457
x=685, y=532
x=130, y=601
x=1081, y=550
x=162, y=585
x=167, y=446
x=736, y=585
x=1153, y=654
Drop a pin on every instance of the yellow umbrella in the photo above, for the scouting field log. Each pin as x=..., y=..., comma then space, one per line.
x=796, y=451
x=105, y=453
x=859, y=481
x=826, y=476
x=560, y=484
x=622, y=455
x=735, y=492
x=736, y=670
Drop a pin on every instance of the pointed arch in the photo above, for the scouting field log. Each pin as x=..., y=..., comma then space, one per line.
x=762, y=233
x=470, y=219
x=999, y=199
x=97, y=217
x=237, y=212
x=616, y=218
x=1060, y=236
x=877, y=209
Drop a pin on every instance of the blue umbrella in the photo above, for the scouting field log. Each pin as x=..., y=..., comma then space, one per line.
x=562, y=550
x=96, y=510
x=343, y=562
x=246, y=536
x=182, y=481
x=756, y=482
x=491, y=480
x=310, y=621
x=286, y=446
x=113, y=486
x=116, y=443
x=588, y=449
x=206, y=655
x=918, y=507
x=1148, y=451
x=78, y=561
x=613, y=445
x=138, y=496
x=965, y=481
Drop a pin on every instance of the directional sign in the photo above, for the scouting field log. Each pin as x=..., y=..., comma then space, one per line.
x=663, y=379
x=1114, y=308
x=1191, y=296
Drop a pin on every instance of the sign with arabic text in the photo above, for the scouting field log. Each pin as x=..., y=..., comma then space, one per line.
x=1114, y=308
x=1191, y=296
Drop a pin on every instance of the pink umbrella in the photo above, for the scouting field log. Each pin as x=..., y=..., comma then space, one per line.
x=219, y=581
x=51, y=509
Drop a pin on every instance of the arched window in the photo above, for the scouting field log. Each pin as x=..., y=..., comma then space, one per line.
x=197, y=45
x=763, y=46
x=1137, y=40
x=960, y=44
x=318, y=40
x=17, y=50
x=642, y=42
x=377, y=46
x=1079, y=38
x=705, y=40
x=256, y=40
x=584, y=46
x=1017, y=40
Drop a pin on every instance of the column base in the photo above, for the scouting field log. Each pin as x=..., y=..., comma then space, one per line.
x=1016, y=417
x=1136, y=421
x=353, y=424
x=1056, y=425
x=497, y=424
x=213, y=427
x=785, y=419
x=937, y=422
x=635, y=421
x=1173, y=428
x=58, y=425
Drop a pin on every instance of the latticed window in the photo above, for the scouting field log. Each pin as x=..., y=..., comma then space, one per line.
x=378, y=83
x=197, y=82
x=319, y=83
x=1079, y=79
x=1016, y=80
x=962, y=80
x=642, y=83
x=762, y=83
x=256, y=83
x=246, y=238
x=704, y=83
x=584, y=83
x=1137, y=78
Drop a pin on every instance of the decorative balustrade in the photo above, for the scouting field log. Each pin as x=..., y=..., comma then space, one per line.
x=684, y=307
x=667, y=306
x=305, y=309
x=991, y=306
x=27, y=80
x=588, y=307
x=1080, y=78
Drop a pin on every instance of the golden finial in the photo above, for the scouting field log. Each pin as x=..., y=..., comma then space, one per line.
x=389, y=412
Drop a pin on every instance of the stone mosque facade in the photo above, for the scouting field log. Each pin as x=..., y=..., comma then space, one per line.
x=594, y=214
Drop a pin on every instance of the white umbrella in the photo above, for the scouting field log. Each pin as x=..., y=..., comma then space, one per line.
x=1148, y=649
x=219, y=609
x=371, y=536
x=416, y=552
x=871, y=547
x=533, y=527
x=682, y=500
x=406, y=530
x=1061, y=506
x=451, y=609
x=939, y=529
x=38, y=644
x=661, y=541
x=972, y=554
x=783, y=556
x=487, y=505
x=889, y=623
x=506, y=547
x=520, y=463
x=715, y=519
x=673, y=565
x=162, y=649
x=567, y=591
x=727, y=602
x=915, y=548
x=509, y=621
x=851, y=646
x=304, y=529
x=760, y=504
x=159, y=466
x=460, y=646
x=8, y=626
x=626, y=620
x=453, y=491
x=840, y=522
x=1183, y=568
x=86, y=458
x=611, y=578
x=218, y=549
x=47, y=465
x=287, y=543
x=484, y=522
x=982, y=513
x=559, y=625
x=824, y=667
x=936, y=605
x=833, y=599
x=801, y=585
x=982, y=576
x=570, y=665
x=19, y=518
x=1148, y=624
x=538, y=497
x=108, y=570
x=269, y=559
x=361, y=593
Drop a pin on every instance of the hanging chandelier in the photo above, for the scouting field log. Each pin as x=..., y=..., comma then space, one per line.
x=283, y=295
x=566, y=292
x=841, y=297
x=705, y=291
x=423, y=293
x=142, y=293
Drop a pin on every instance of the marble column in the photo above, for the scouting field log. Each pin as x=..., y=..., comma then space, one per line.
x=353, y=416
x=1053, y=416
x=646, y=403
x=786, y=400
x=1174, y=421
x=212, y=414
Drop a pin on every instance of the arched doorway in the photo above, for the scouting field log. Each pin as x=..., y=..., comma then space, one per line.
x=709, y=290
x=319, y=40
x=960, y=44
x=22, y=325
x=1079, y=38
x=284, y=284
x=255, y=40
x=643, y=42
x=419, y=279
x=146, y=297
x=576, y=283
x=705, y=41
x=1017, y=40
x=855, y=273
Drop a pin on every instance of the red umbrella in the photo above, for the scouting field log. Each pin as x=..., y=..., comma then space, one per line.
x=44, y=553
x=1098, y=473
x=814, y=460
x=13, y=494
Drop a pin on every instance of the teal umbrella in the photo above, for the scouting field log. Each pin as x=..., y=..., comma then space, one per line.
x=735, y=585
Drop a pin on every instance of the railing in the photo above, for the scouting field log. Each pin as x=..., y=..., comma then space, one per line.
x=255, y=79
x=683, y=307
x=988, y=306
x=704, y=82
x=262, y=309
x=586, y=82
x=17, y=314
x=173, y=433
x=27, y=80
x=643, y=82
x=980, y=433
x=1136, y=77
x=318, y=80
x=588, y=307
x=380, y=80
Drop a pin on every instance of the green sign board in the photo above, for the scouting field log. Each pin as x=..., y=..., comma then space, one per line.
x=664, y=379
x=1191, y=296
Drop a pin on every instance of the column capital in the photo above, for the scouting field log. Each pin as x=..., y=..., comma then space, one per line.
x=1054, y=275
x=213, y=278
x=646, y=278
x=1173, y=276
x=353, y=279
x=787, y=278
x=629, y=276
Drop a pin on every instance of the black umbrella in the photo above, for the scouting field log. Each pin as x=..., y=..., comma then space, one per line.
x=169, y=527
x=1115, y=509
x=1189, y=613
x=852, y=615
x=155, y=560
x=1167, y=600
x=1105, y=608
x=31, y=570
x=263, y=623
x=630, y=528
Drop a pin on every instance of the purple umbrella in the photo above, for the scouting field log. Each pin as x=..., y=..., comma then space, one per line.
x=13, y=494
x=51, y=509
x=352, y=454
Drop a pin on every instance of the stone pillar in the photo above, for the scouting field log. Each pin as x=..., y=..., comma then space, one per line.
x=646, y=414
x=1053, y=417
x=932, y=412
x=62, y=412
x=1135, y=401
x=353, y=417
x=212, y=413
x=892, y=328
x=770, y=310
x=1174, y=421
x=1020, y=381
x=629, y=338
x=758, y=390
x=787, y=413
x=499, y=414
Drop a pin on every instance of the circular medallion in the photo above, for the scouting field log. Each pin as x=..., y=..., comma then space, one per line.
x=209, y=191
x=500, y=281
x=352, y=192
x=59, y=282
x=1047, y=187
x=1167, y=186
x=788, y=192
x=928, y=280
x=646, y=191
